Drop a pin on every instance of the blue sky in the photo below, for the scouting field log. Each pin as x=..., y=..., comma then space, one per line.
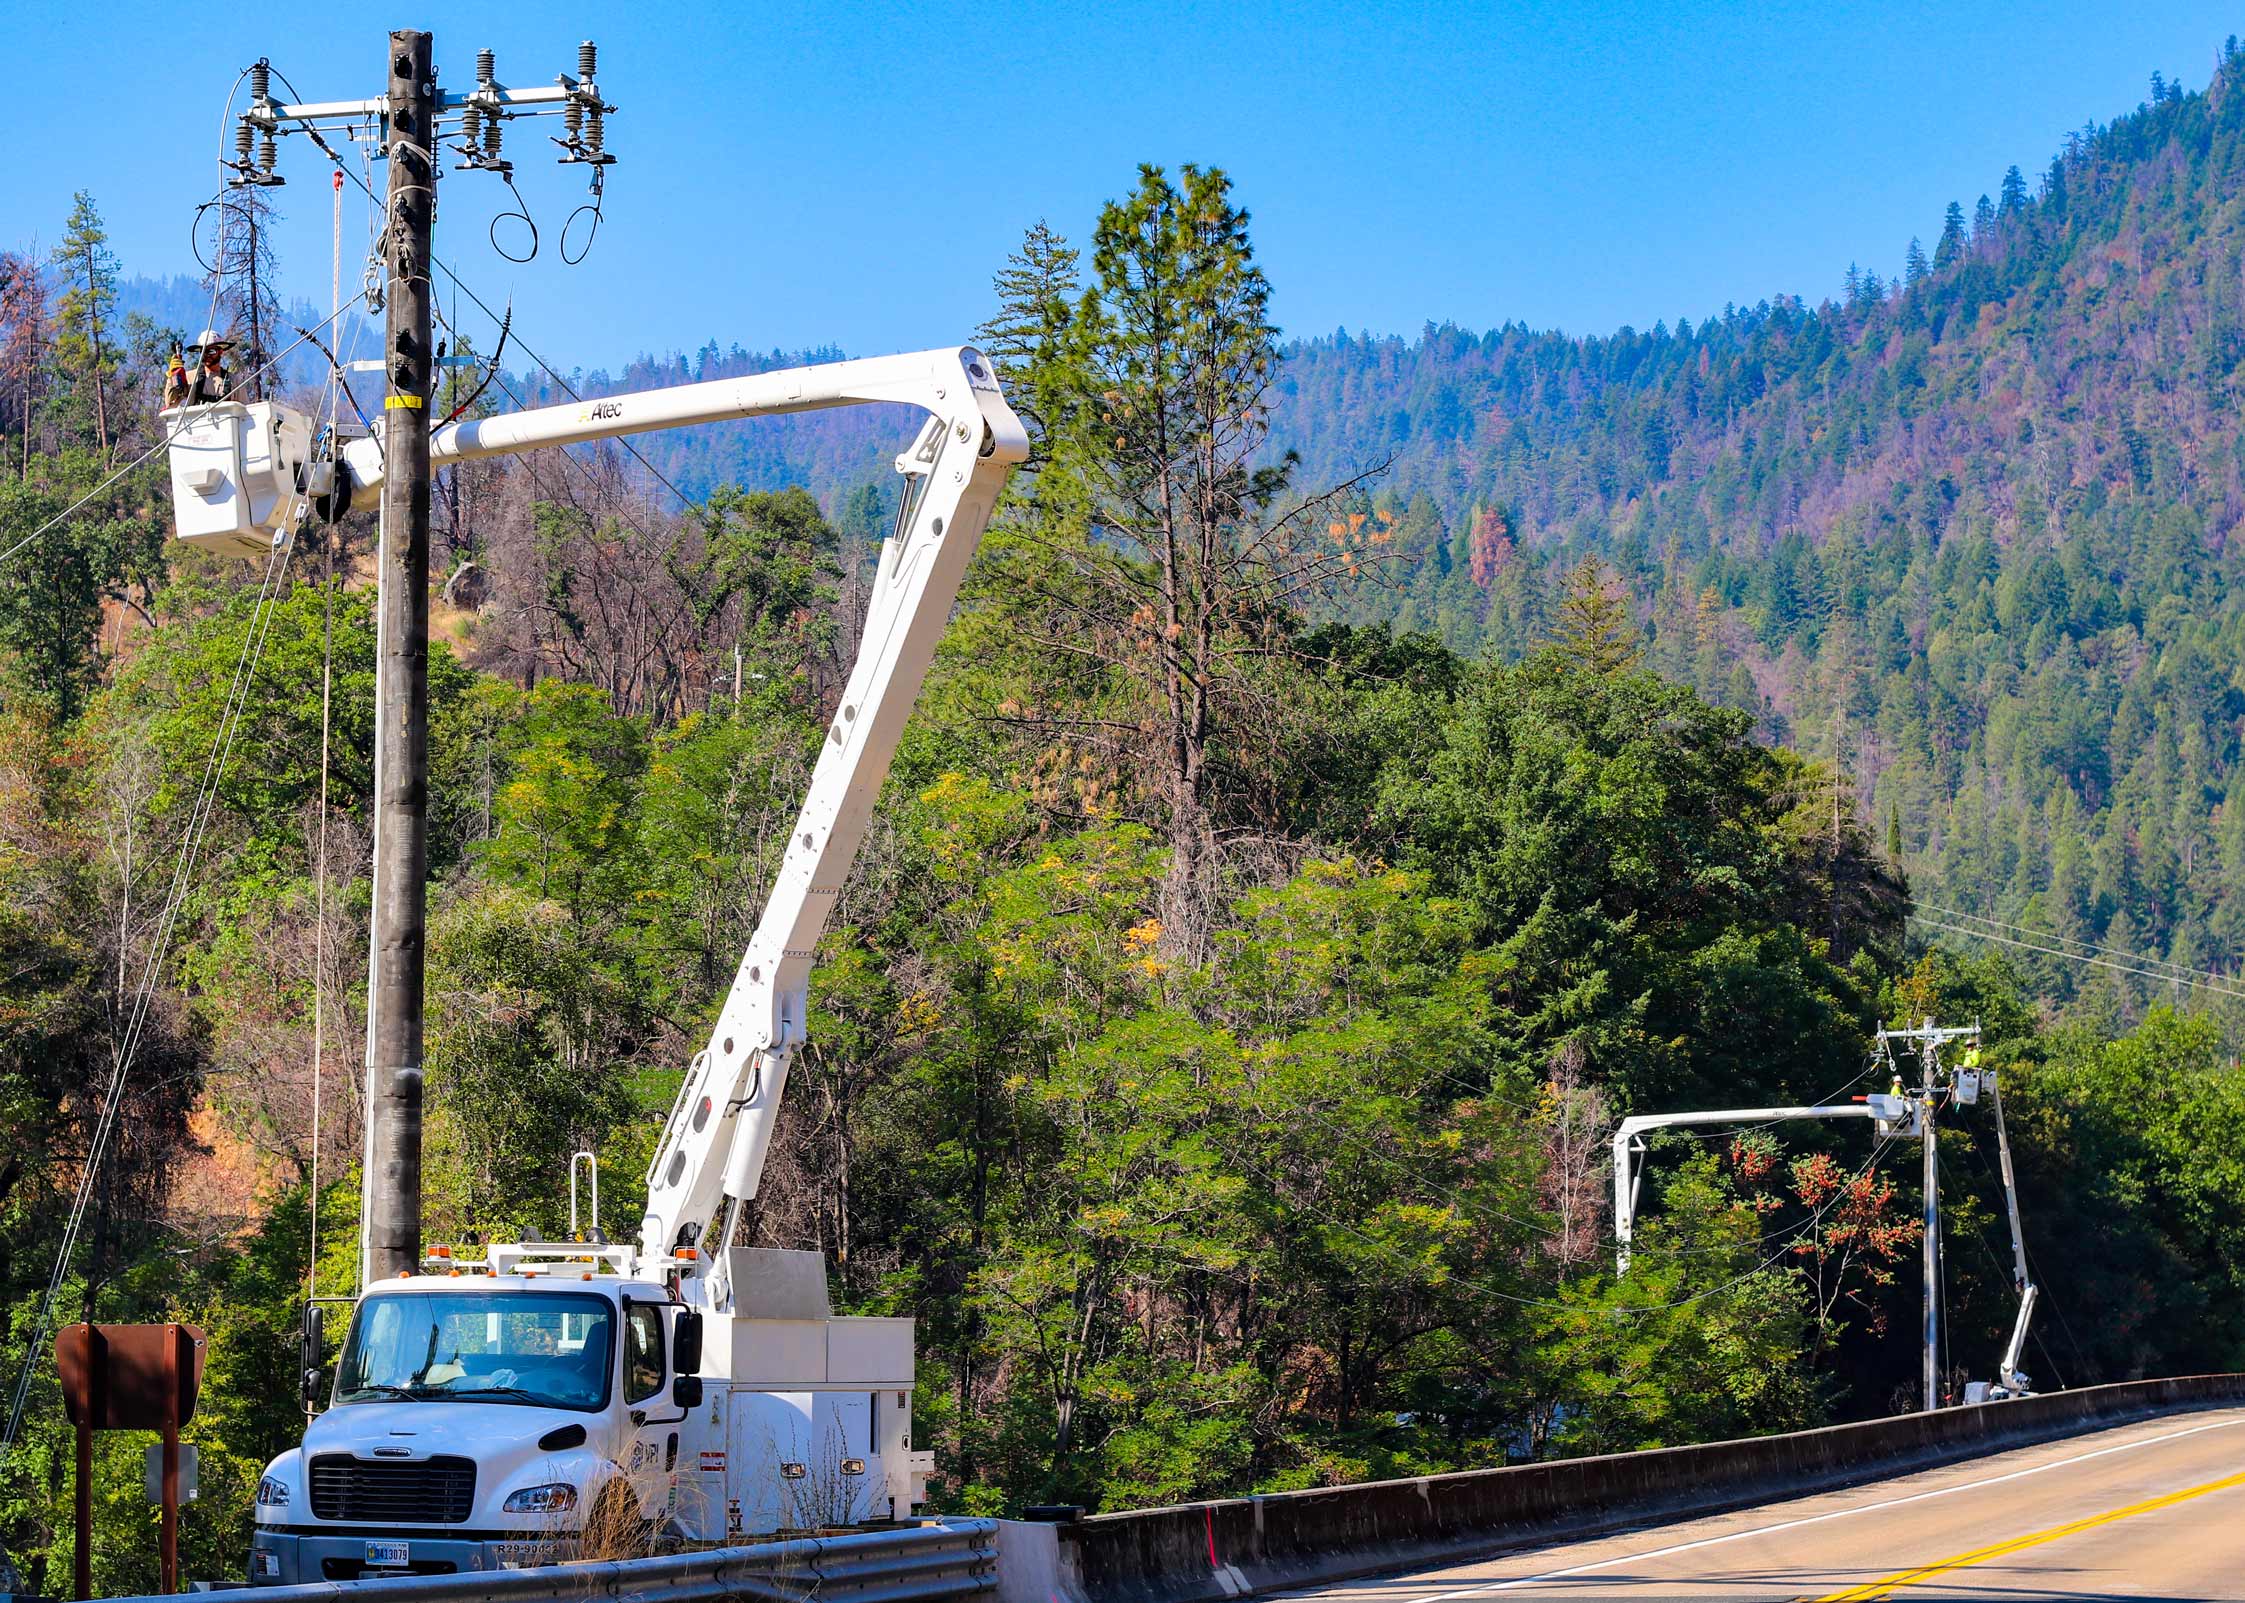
x=850, y=175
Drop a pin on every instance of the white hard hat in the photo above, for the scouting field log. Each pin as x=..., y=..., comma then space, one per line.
x=207, y=338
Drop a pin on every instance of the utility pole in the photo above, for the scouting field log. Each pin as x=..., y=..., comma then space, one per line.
x=1928, y=1038
x=409, y=128
x=393, y=1201
x=1932, y=1360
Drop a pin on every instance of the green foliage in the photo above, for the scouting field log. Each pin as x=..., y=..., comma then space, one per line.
x=1622, y=846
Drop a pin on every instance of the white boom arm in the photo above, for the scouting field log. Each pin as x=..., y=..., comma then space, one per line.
x=1888, y=1110
x=711, y=1154
x=240, y=482
x=2007, y=1372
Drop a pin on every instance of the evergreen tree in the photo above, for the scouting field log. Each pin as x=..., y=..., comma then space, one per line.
x=1951, y=244
x=1593, y=628
x=2014, y=192
x=1914, y=267
x=1036, y=292
x=242, y=286
x=1983, y=221
x=83, y=347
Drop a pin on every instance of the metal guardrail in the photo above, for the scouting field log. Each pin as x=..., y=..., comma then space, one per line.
x=915, y=1564
x=1222, y=1551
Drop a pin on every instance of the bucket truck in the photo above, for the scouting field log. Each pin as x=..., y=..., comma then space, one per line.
x=493, y=1413
x=1899, y=1113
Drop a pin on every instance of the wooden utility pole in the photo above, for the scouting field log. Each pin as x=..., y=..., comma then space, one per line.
x=393, y=1201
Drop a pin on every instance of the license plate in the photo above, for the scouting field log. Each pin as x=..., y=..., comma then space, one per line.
x=390, y=1555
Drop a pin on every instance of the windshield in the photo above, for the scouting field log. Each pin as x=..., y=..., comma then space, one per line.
x=545, y=1349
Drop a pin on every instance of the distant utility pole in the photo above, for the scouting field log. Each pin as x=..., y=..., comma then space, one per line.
x=407, y=123
x=1927, y=1039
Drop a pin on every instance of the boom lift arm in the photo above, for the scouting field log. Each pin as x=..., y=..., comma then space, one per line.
x=242, y=476
x=1891, y=1112
x=2007, y=1372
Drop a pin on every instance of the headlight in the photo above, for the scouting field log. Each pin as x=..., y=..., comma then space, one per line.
x=555, y=1498
x=271, y=1493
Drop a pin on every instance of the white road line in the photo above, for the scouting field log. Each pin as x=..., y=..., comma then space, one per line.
x=1812, y=1519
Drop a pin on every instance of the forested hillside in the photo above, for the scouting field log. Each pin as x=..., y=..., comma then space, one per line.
x=1965, y=532
x=1219, y=1034
x=1973, y=532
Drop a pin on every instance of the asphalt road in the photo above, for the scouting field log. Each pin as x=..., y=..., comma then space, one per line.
x=2150, y=1510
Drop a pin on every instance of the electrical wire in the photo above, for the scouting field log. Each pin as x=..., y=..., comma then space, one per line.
x=521, y=210
x=2078, y=957
x=547, y=367
x=2181, y=971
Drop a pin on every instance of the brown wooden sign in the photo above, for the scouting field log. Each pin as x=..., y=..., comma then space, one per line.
x=130, y=1377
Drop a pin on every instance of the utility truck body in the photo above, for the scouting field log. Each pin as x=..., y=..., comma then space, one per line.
x=551, y=1398
x=552, y=1403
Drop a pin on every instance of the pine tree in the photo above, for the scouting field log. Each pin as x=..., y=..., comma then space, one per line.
x=2014, y=199
x=1036, y=293
x=82, y=343
x=23, y=341
x=1983, y=221
x=1951, y=243
x=1914, y=267
x=243, y=285
x=1594, y=629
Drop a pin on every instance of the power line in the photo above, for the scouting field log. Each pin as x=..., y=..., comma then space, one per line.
x=2181, y=970
x=545, y=366
x=2079, y=957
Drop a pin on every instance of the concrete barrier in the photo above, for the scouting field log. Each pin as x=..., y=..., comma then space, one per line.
x=1196, y=1552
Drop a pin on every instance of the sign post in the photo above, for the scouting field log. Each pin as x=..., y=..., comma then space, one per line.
x=129, y=1377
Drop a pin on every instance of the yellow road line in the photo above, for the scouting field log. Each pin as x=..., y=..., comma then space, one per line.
x=1891, y=1584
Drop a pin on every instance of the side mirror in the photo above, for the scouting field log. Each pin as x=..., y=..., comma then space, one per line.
x=686, y=1393
x=686, y=1343
x=311, y=1353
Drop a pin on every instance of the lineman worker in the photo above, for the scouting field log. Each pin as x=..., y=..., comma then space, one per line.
x=211, y=379
x=175, y=379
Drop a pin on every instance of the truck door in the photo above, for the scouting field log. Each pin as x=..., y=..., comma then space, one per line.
x=651, y=1453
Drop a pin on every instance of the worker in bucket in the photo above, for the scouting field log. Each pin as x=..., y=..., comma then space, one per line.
x=175, y=379
x=211, y=381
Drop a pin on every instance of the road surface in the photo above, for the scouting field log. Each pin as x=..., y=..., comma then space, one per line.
x=2155, y=1509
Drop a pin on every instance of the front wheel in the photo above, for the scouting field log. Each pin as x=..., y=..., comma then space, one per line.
x=616, y=1528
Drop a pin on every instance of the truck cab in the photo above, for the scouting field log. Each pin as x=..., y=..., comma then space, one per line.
x=551, y=1402
x=488, y=1416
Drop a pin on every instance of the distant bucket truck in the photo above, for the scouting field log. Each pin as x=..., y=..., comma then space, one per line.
x=1897, y=1113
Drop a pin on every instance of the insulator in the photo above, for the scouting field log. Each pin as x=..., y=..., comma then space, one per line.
x=265, y=152
x=471, y=124
x=593, y=133
x=486, y=65
x=573, y=119
x=243, y=134
x=491, y=139
x=260, y=81
x=588, y=54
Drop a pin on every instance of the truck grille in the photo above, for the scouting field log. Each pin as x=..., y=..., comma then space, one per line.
x=429, y=1491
